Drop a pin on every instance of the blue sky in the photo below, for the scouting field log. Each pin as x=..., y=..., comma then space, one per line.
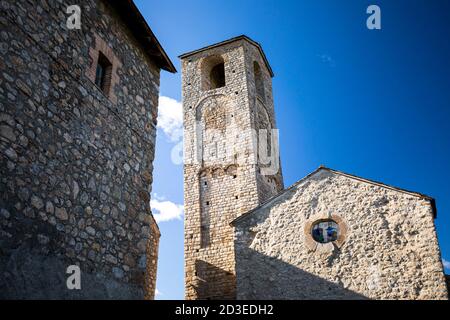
x=375, y=103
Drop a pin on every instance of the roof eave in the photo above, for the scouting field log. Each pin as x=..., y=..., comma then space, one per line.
x=141, y=30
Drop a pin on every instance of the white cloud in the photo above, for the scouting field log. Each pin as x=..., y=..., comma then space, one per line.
x=164, y=210
x=446, y=264
x=170, y=118
x=158, y=293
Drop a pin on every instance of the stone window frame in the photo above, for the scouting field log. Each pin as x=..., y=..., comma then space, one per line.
x=102, y=48
x=313, y=245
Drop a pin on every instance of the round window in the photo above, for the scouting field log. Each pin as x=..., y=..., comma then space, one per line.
x=325, y=231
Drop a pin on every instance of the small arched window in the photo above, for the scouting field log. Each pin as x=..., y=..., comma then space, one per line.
x=213, y=73
x=259, y=81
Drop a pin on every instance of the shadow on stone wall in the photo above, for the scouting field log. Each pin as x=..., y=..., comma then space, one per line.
x=270, y=278
x=33, y=268
x=213, y=282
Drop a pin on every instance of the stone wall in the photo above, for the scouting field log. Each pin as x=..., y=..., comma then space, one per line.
x=76, y=162
x=220, y=172
x=387, y=248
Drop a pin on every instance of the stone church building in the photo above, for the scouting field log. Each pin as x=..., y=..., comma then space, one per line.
x=78, y=111
x=331, y=235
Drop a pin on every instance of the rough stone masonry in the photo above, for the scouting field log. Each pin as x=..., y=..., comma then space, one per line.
x=78, y=112
x=227, y=91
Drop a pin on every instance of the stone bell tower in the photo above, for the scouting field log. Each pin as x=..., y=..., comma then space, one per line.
x=231, y=164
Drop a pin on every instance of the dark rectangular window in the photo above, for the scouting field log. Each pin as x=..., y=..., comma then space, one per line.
x=103, y=73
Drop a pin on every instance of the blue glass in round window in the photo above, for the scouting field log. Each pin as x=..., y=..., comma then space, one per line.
x=325, y=231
